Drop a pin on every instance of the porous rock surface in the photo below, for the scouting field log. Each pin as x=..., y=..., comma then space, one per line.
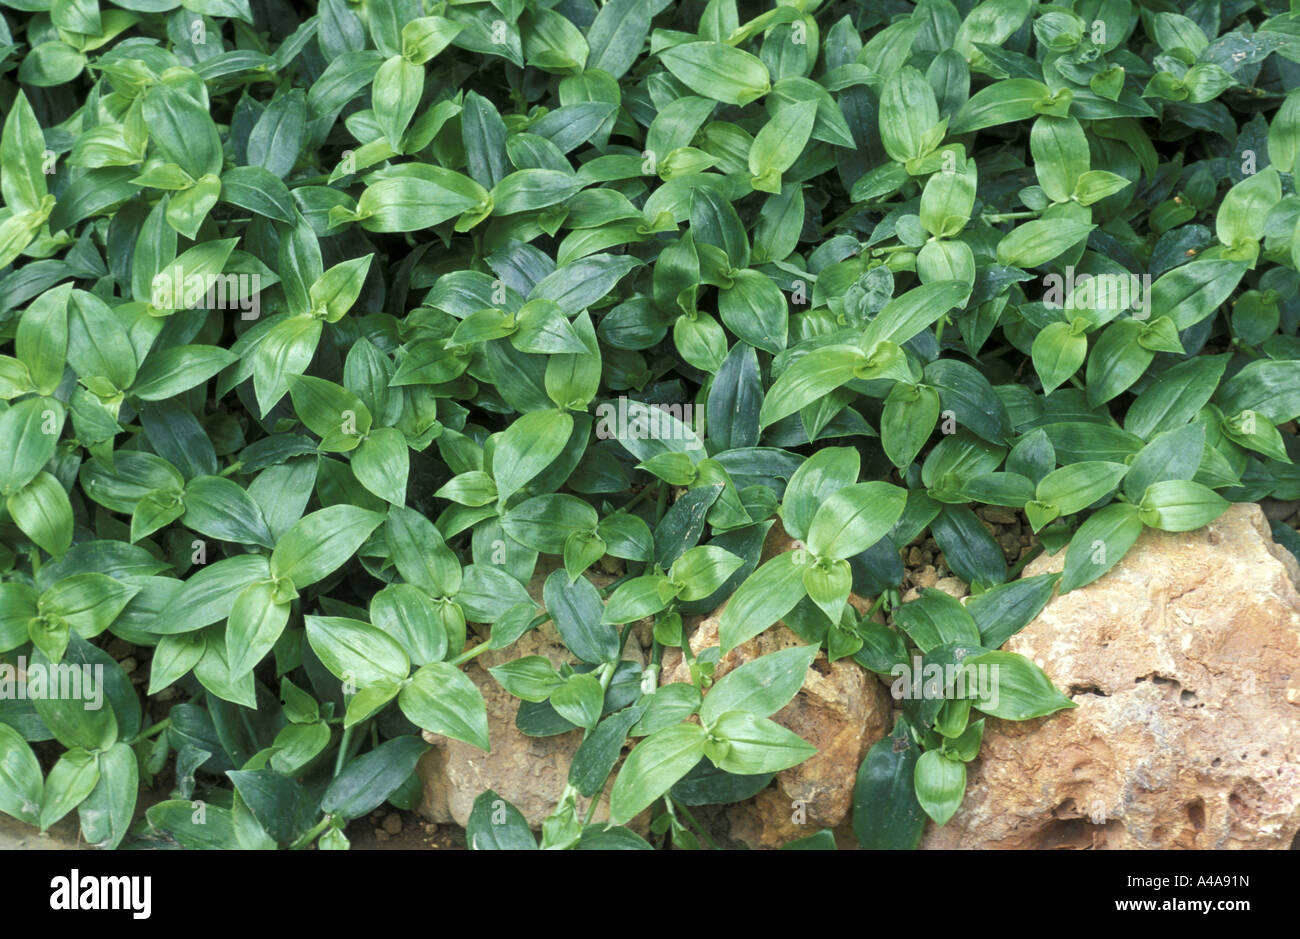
x=1184, y=661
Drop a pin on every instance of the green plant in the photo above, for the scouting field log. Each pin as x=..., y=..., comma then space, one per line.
x=325, y=331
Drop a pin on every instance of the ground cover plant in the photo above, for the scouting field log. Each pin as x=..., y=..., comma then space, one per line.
x=324, y=334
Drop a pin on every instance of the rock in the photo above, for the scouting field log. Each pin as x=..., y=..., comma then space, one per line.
x=529, y=772
x=952, y=586
x=998, y=515
x=1276, y=511
x=1184, y=662
x=842, y=710
x=393, y=824
x=926, y=576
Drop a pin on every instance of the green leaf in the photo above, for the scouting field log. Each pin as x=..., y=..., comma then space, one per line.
x=442, y=700
x=70, y=781
x=421, y=555
x=372, y=777
x=886, y=813
x=1180, y=505
x=579, y=699
x=854, y=519
x=1190, y=293
x=1057, y=352
x=760, y=687
x=940, y=785
x=936, y=619
x=20, y=777
x=31, y=428
x=638, y=598
x=1033, y=243
x=701, y=570
x=183, y=130
x=332, y=412
x=42, y=510
x=106, y=813
x=496, y=825
x=405, y=612
x=909, y=115
x=1019, y=690
x=217, y=507
x=765, y=596
x=718, y=71
x=530, y=678
x=356, y=652
x=256, y=622
x=577, y=610
x=22, y=158
x=320, y=543
x=396, y=94
x=42, y=339
x=742, y=743
x=779, y=143
x=813, y=376
x=1099, y=544
x=652, y=767
x=527, y=447
x=381, y=464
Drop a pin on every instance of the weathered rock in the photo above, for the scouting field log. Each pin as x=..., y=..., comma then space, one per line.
x=841, y=710
x=1184, y=662
x=529, y=772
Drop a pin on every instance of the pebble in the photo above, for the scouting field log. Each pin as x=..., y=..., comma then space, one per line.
x=381, y=835
x=952, y=587
x=926, y=576
x=999, y=514
x=393, y=824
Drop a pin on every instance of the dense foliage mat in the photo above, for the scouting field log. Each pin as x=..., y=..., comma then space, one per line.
x=323, y=331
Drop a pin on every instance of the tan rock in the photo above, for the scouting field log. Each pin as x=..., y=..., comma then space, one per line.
x=926, y=576
x=952, y=586
x=842, y=710
x=1183, y=661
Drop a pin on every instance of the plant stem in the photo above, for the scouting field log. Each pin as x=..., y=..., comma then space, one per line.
x=345, y=744
x=642, y=496
x=153, y=729
x=311, y=836
x=997, y=217
x=842, y=217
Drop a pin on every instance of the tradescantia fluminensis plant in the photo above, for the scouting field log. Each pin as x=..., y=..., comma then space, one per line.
x=326, y=335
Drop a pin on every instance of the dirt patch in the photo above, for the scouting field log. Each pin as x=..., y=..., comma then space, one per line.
x=379, y=832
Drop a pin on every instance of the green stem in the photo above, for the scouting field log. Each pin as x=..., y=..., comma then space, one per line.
x=311, y=836
x=595, y=801
x=641, y=496
x=875, y=605
x=345, y=744
x=842, y=218
x=487, y=644
x=153, y=729
x=996, y=217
